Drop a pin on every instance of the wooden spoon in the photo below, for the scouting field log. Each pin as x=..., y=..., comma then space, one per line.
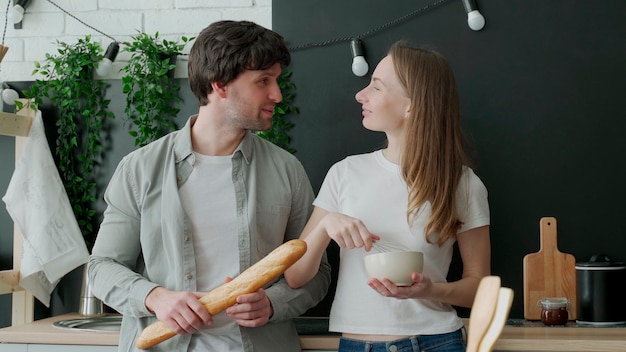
x=505, y=299
x=482, y=311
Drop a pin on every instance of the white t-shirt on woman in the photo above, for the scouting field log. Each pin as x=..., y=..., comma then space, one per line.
x=371, y=188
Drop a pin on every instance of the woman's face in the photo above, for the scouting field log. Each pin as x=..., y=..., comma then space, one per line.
x=385, y=103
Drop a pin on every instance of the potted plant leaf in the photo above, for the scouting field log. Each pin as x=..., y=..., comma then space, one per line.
x=68, y=83
x=150, y=88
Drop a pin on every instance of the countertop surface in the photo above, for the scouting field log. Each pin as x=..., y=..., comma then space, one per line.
x=518, y=335
x=44, y=332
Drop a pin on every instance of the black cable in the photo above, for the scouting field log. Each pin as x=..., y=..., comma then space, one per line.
x=6, y=20
x=371, y=31
x=77, y=19
x=293, y=48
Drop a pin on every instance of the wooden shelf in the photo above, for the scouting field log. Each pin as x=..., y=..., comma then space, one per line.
x=15, y=124
x=23, y=302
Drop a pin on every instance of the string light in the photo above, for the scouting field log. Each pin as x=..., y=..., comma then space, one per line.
x=475, y=19
x=9, y=95
x=16, y=14
x=359, y=65
x=371, y=31
x=104, y=66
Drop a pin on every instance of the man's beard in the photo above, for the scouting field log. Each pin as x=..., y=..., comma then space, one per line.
x=239, y=114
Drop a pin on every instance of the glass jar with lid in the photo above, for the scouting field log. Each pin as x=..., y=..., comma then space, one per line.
x=554, y=310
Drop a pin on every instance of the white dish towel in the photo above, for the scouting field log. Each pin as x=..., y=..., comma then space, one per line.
x=37, y=202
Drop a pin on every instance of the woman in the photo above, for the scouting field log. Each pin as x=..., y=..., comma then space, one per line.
x=418, y=192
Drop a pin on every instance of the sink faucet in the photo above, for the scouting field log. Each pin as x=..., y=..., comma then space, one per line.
x=90, y=305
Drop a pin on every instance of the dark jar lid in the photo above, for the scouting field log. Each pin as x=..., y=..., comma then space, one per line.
x=600, y=262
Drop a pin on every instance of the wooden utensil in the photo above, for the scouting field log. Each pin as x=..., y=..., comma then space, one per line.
x=3, y=51
x=503, y=306
x=482, y=311
x=548, y=273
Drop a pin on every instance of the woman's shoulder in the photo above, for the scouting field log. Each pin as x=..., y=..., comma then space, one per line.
x=470, y=174
x=471, y=181
x=357, y=163
x=357, y=159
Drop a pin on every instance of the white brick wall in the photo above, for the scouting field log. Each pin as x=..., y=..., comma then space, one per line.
x=44, y=24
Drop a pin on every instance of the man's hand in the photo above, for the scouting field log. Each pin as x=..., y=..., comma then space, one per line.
x=252, y=310
x=181, y=311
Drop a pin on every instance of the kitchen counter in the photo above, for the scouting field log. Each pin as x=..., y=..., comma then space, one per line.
x=43, y=332
x=515, y=337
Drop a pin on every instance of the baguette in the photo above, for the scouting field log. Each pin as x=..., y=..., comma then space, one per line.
x=224, y=296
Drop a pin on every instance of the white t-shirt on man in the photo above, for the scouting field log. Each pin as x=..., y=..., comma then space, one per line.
x=209, y=190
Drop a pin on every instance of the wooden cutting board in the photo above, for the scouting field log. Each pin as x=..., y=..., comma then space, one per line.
x=548, y=273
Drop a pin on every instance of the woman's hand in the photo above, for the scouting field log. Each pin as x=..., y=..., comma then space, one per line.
x=348, y=232
x=475, y=251
x=421, y=287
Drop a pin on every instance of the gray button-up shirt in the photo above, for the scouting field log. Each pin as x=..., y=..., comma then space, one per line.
x=145, y=239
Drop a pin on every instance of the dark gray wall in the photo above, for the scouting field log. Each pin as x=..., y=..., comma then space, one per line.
x=542, y=91
x=542, y=95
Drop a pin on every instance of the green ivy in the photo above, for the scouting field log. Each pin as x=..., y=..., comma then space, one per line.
x=277, y=134
x=150, y=88
x=68, y=83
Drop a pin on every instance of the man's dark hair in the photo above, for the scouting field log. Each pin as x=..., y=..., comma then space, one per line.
x=224, y=49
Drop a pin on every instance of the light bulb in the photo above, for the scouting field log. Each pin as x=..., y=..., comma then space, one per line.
x=9, y=96
x=104, y=66
x=475, y=19
x=16, y=14
x=359, y=65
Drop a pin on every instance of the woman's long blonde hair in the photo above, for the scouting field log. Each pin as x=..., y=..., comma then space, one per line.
x=434, y=152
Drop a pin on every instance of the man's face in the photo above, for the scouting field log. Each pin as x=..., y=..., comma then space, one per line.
x=252, y=97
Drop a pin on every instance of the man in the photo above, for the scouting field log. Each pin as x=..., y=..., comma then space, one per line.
x=204, y=203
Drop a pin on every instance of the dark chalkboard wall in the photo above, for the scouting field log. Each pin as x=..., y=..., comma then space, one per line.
x=542, y=95
x=542, y=89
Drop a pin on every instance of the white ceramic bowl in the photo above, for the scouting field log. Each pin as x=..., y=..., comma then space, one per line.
x=395, y=266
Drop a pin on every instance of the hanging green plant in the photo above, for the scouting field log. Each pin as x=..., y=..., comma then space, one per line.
x=68, y=83
x=150, y=88
x=277, y=134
